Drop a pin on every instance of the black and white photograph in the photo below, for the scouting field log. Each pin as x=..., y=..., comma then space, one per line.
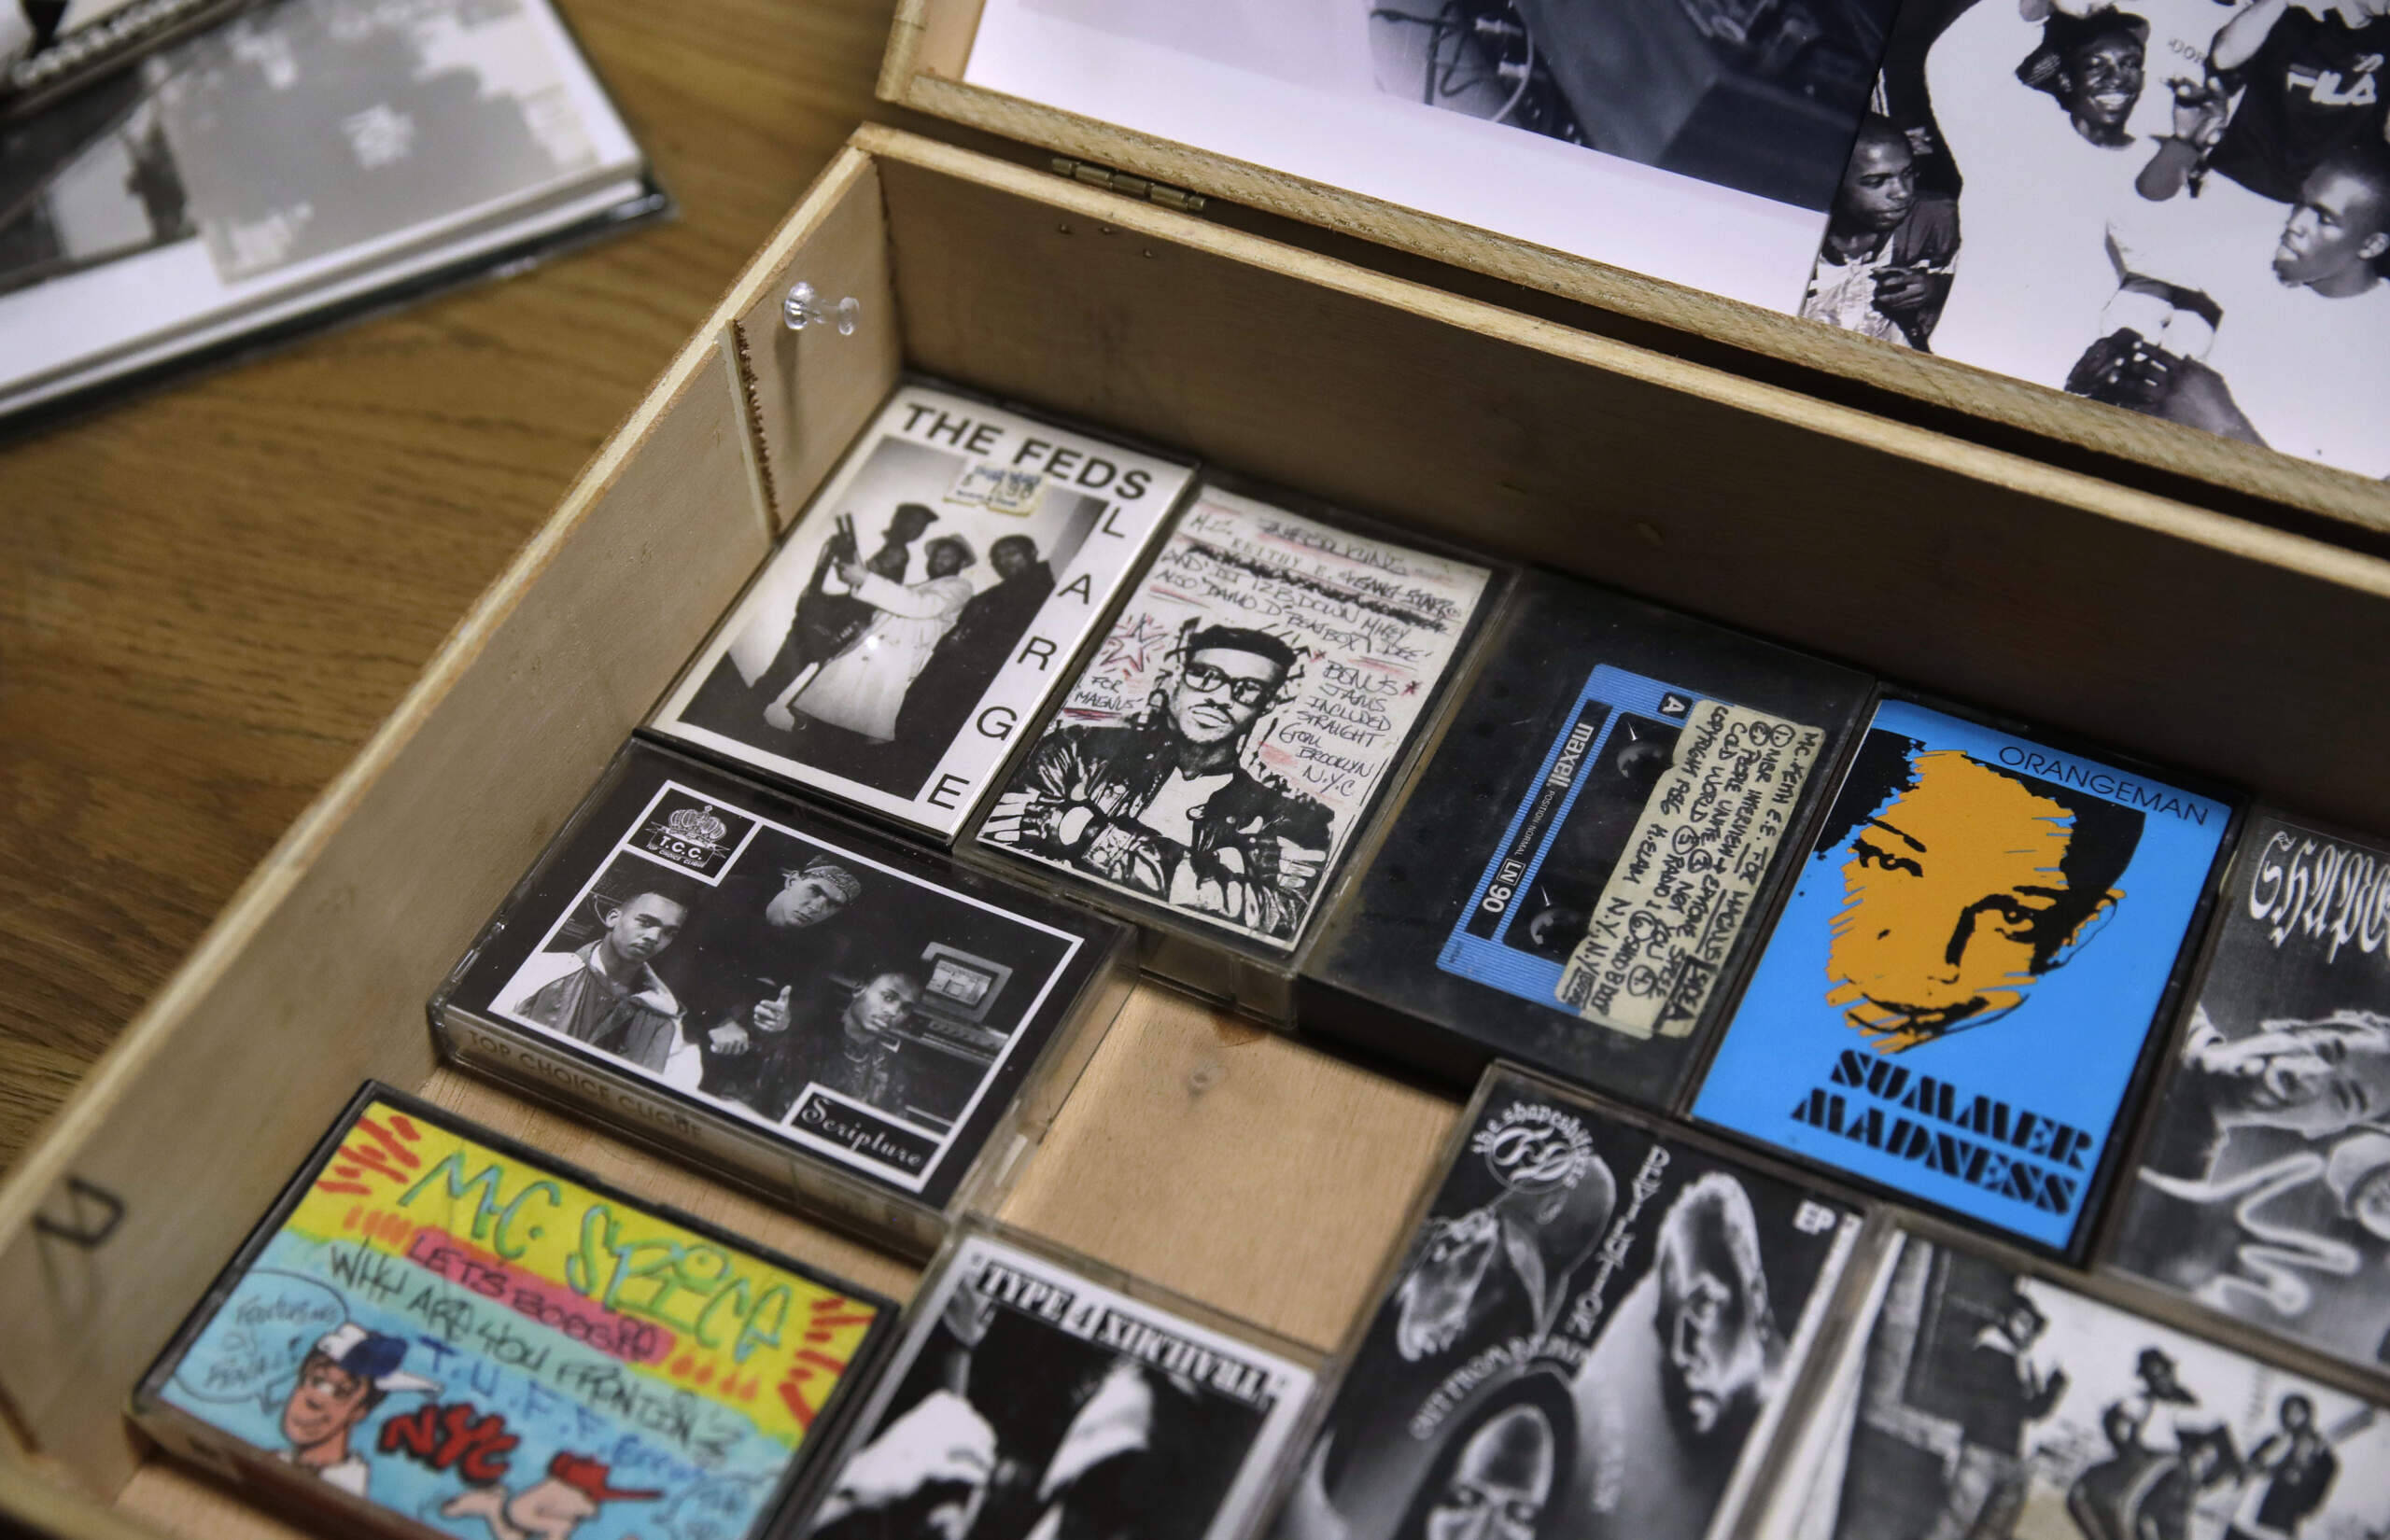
x=2179, y=207
x=29, y=28
x=1695, y=141
x=85, y=183
x=287, y=157
x=1590, y=1336
x=1248, y=705
x=925, y=608
x=2262, y=1185
x=53, y=50
x=1977, y=1403
x=862, y=1001
x=1757, y=95
x=1028, y=1401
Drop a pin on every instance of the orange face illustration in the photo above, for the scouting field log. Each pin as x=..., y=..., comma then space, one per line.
x=1950, y=892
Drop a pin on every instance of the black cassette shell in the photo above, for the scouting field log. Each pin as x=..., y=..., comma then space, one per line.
x=1382, y=978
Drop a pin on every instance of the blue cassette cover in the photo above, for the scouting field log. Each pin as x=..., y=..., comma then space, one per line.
x=1957, y=1000
x=1577, y=879
x=1629, y=868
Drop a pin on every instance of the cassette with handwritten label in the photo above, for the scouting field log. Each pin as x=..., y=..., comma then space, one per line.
x=1260, y=694
x=1958, y=1003
x=925, y=609
x=1038, y=1394
x=824, y=1012
x=437, y=1331
x=1975, y=1393
x=1592, y=1330
x=1577, y=866
x=2262, y=1186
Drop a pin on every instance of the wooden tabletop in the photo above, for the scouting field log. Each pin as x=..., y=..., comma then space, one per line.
x=211, y=594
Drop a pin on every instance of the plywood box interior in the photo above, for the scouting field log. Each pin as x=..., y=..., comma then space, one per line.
x=1235, y=1166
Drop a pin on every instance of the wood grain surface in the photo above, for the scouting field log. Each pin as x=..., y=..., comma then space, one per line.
x=211, y=593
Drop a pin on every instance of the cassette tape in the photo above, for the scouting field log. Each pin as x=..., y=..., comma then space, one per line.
x=1036, y=1392
x=1260, y=694
x=1593, y=1328
x=2260, y=1189
x=1957, y=1003
x=438, y=1332
x=924, y=610
x=827, y=1014
x=1581, y=864
x=1975, y=1392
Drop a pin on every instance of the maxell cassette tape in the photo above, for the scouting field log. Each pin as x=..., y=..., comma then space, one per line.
x=1976, y=1394
x=1575, y=875
x=1260, y=693
x=823, y=1012
x=1037, y=1395
x=1592, y=1330
x=2260, y=1189
x=1958, y=1003
x=437, y=1332
x=925, y=609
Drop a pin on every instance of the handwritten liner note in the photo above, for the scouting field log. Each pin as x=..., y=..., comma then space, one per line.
x=1373, y=626
x=1684, y=884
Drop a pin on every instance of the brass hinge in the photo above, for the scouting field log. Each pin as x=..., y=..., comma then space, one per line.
x=1136, y=186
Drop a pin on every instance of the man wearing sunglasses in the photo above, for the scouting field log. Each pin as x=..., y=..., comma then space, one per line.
x=1164, y=805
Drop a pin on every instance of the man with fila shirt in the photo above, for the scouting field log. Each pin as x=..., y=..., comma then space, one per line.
x=2311, y=85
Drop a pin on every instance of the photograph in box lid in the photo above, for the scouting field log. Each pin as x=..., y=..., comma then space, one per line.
x=483, y=1346
x=2263, y=1184
x=1255, y=695
x=1695, y=141
x=2179, y=207
x=925, y=607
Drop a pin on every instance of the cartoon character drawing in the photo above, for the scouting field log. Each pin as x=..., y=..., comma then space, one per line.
x=551, y=1508
x=345, y=1376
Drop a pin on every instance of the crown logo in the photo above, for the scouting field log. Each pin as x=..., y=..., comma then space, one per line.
x=698, y=826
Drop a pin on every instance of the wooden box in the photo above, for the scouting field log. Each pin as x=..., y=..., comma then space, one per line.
x=1238, y=1167
x=924, y=69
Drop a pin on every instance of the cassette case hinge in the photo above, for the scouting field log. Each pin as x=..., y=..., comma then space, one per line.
x=1136, y=186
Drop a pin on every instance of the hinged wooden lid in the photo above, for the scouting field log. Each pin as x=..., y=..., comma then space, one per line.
x=930, y=48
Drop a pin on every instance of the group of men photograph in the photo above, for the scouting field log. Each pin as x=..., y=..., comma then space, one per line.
x=748, y=992
x=2181, y=207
